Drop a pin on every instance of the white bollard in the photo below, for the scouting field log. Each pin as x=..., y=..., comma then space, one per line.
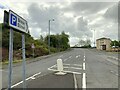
x=60, y=67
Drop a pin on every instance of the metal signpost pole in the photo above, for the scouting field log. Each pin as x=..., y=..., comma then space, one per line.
x=33, y=49
x=10, y=59
x=24, y=61
x=33, y=52
x=15, y=21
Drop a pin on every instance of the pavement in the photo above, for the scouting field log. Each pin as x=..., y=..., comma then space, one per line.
x=85, y=68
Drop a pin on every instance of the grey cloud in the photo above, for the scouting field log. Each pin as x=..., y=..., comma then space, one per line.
x=83, y=27
x=39, y=16
x=112, y=13
x=87, y=7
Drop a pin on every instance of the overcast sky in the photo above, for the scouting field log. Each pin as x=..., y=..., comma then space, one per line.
x=78, y=19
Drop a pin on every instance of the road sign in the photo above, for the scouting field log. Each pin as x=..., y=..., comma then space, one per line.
x=32, y=46
x=6, y=19
x=17, y=22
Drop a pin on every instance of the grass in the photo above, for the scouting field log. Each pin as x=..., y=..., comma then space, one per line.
x=6, y=62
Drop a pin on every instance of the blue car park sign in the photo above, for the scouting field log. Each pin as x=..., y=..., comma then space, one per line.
x=13, y=20
x=17, y=22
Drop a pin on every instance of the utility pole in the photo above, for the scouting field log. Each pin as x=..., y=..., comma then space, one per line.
x=49, y=34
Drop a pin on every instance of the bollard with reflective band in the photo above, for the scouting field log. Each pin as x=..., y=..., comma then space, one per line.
x=60, y=67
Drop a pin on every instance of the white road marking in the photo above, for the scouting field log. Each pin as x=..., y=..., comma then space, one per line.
x=84, y=81
x=61, y=56
x=52, y=69
x=115, y=58
x=73, y=64
x=114, y=72
x=66, y=59
x=83, y=66
x=16, y=84
x=70, y=56
x=84, y=59
x=76, y=56
x=64, y=71
x=32, y=77
x=67, y=64
x=72, y=72
x=84, y=56
x=112, y=61
x=72, y=67
x=53, y=66
x=75, y=81
x=77, y=64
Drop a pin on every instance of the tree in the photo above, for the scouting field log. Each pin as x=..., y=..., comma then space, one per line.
x=85, y=43
x=115, y=43
x=41, y=38
x=59, y=41
x=81, y=43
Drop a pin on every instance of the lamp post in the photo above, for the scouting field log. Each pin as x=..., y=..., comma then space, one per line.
x=49, y=34
x=93, y=37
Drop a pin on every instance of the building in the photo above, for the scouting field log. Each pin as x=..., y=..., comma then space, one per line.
x=103, y=44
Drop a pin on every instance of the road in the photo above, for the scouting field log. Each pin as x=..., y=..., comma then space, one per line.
x=85, y=68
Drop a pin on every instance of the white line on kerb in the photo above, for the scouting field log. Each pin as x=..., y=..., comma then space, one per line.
x=75, y=81
x=84, y=81
x=83, y=66
x=31, y=77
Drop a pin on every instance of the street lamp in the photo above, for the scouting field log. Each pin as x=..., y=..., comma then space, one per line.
x=49, y=34
x=94, y=36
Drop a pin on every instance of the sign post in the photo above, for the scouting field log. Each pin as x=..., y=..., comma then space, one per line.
x=33, y=47
x=10, y=58
x=18, y=24
x=24, y=60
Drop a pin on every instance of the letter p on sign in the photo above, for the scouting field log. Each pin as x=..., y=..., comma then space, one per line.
x=13, y=20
